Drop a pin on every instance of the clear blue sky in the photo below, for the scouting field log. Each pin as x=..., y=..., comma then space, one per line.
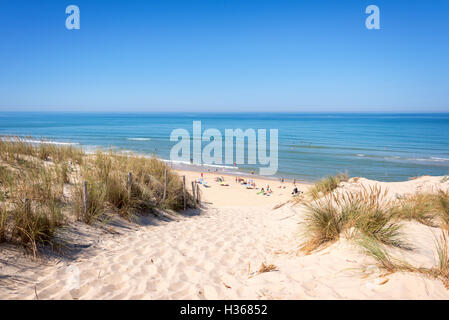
x=216, y=55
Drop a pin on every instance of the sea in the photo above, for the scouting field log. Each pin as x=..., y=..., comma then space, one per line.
x=380, y=146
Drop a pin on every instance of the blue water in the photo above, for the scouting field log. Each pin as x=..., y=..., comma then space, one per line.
x=388, y=147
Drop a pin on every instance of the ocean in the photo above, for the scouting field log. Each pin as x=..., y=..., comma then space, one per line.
x=386, y=147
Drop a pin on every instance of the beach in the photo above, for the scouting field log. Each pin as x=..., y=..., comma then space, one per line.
x=237, y=195
x=239, y=245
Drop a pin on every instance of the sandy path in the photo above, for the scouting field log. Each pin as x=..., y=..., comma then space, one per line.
x=198, y=257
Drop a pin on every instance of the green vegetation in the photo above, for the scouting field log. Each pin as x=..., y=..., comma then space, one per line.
x=327, y=185
x=375, y=223
x=363, y=213
x=431, y=209
x=41, y=187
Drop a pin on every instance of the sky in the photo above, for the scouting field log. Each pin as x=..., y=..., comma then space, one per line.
x=224, y=55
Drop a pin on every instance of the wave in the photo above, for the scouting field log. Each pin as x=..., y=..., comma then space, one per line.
x=12, y=139
x=139, y=139
x=431, y=159
x=439, y=159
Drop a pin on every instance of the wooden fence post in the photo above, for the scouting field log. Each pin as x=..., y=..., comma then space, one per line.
x=85, y=198
x=193, y=191
x=184, y=190
x=130, y=183
x=165, y=185
x=198, y=196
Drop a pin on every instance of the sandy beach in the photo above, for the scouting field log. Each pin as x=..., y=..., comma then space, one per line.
x=236, y=247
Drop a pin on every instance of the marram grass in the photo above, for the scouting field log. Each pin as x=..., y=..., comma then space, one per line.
x=327, y=185
x=365, y=212
x=374, y=223
x=51, y=178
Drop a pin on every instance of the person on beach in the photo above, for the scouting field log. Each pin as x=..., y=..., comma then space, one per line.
x=269, y=191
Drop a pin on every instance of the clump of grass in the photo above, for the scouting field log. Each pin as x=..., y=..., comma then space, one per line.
x=431, y=209
x=327, y=185
x=36, y=224
x=324, y=222
x=372, y=215
x=33, y=221
x=420, y=207
x=365, y=212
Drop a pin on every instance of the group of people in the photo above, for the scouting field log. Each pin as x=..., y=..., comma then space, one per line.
x=250, y=184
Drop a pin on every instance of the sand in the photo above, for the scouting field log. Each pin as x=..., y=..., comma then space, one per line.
x=217, y=253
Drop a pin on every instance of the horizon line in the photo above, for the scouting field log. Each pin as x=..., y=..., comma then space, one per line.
x=232, y=112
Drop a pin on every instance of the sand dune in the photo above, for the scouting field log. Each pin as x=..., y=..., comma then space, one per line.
x=217, y=254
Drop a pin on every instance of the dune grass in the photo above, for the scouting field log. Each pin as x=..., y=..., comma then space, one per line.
x=369, y=213
x=31, y=206
x=41, y=185
x=14, y=148
x=327, y=185
x=364, y=213
x=107, y=178
x=374, y=223
x=431, y=209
